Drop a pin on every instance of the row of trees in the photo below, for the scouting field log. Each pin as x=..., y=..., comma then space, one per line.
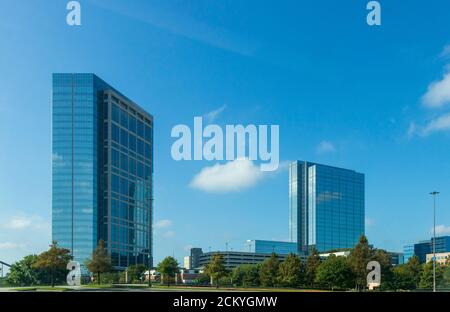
x=332, y=273
x=49, y=268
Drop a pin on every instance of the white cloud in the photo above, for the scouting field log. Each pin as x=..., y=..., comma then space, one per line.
x=438, y=93
x=169, y=234
x=211, y=116
x=441, y=123
x=445, y=52
x=162, y=224
x=412, y=129
x=22, y=222
x=17, y=223
x=325, y=147
x=232, y=176
x=441, y=230
x=9, y=245
x=369, y=222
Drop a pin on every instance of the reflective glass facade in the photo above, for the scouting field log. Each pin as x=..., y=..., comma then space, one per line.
x=267, y=247
x=326, y=206
x=421, y=249
x=408, y=252
x=102, y=171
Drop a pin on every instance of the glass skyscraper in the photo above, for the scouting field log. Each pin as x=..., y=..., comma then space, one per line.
x=326, y=206
x=102, y=170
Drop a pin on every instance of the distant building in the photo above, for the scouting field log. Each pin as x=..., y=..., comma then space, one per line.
x=441, y=257
x=195, y=257
x=422, y=248
x=344, y=253
x=397, y=258
x=266, y=246
x=408, y=252
x=326, y=206
x=187, y=262
x=187, y=276
x=233, y=259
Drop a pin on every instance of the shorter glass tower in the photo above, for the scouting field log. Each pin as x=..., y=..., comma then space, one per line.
x=326, y=206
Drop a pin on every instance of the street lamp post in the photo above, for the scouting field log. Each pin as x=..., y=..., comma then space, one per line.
x=434, y=194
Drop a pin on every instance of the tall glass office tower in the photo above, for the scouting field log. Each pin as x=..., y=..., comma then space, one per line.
x=102, y=165
x=326, y=206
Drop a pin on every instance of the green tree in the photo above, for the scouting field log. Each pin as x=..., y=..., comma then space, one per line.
x=246, y=275
x=335, y=272
x=415, y=268
x=387, y=275
x=312, y=263
x=251, y=277
x=216, y=269
x=291, y=272
x=403, y=278
x=53, y=260
x=23, y=272
x=269, y=271
x=426, y=278
x=168, y=268
x=445, y=281
x=135, y=272
x=358, y=259
x=100, y=262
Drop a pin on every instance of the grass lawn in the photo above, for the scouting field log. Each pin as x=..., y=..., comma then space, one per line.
x=41, y=288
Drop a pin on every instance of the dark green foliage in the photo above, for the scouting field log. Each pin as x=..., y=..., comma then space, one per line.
x=54, y=261
x=168, y=268
x=269, y=271
x=291, y=272
x=312, y=263
x=335, y=273
x=100, y=262
x=246, y=275
x=216, y=269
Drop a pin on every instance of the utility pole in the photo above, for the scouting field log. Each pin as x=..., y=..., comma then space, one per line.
x=434, y=194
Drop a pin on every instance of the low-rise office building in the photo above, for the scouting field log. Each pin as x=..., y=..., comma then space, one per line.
x=234, y=259
x=422, y=248
x=441, y=257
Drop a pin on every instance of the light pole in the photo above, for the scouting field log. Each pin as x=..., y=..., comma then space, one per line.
x=434, y=194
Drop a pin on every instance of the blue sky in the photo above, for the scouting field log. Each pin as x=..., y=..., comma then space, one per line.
x=373, y=99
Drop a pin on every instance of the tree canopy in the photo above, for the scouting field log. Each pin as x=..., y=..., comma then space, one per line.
x=100, y=262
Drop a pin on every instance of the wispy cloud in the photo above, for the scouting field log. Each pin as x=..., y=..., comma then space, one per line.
x=10, y=245
x=441, y=123
x=438, y=93
x=17, y=223
x=445, y=52
x=23, y=221
x=212, y=115
x=229, y=177
x=162, y=224
x=438, y=124
x=325, y=147
x=369, y=222
x=186, y=26
x=441, y=230
x=169, y=234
